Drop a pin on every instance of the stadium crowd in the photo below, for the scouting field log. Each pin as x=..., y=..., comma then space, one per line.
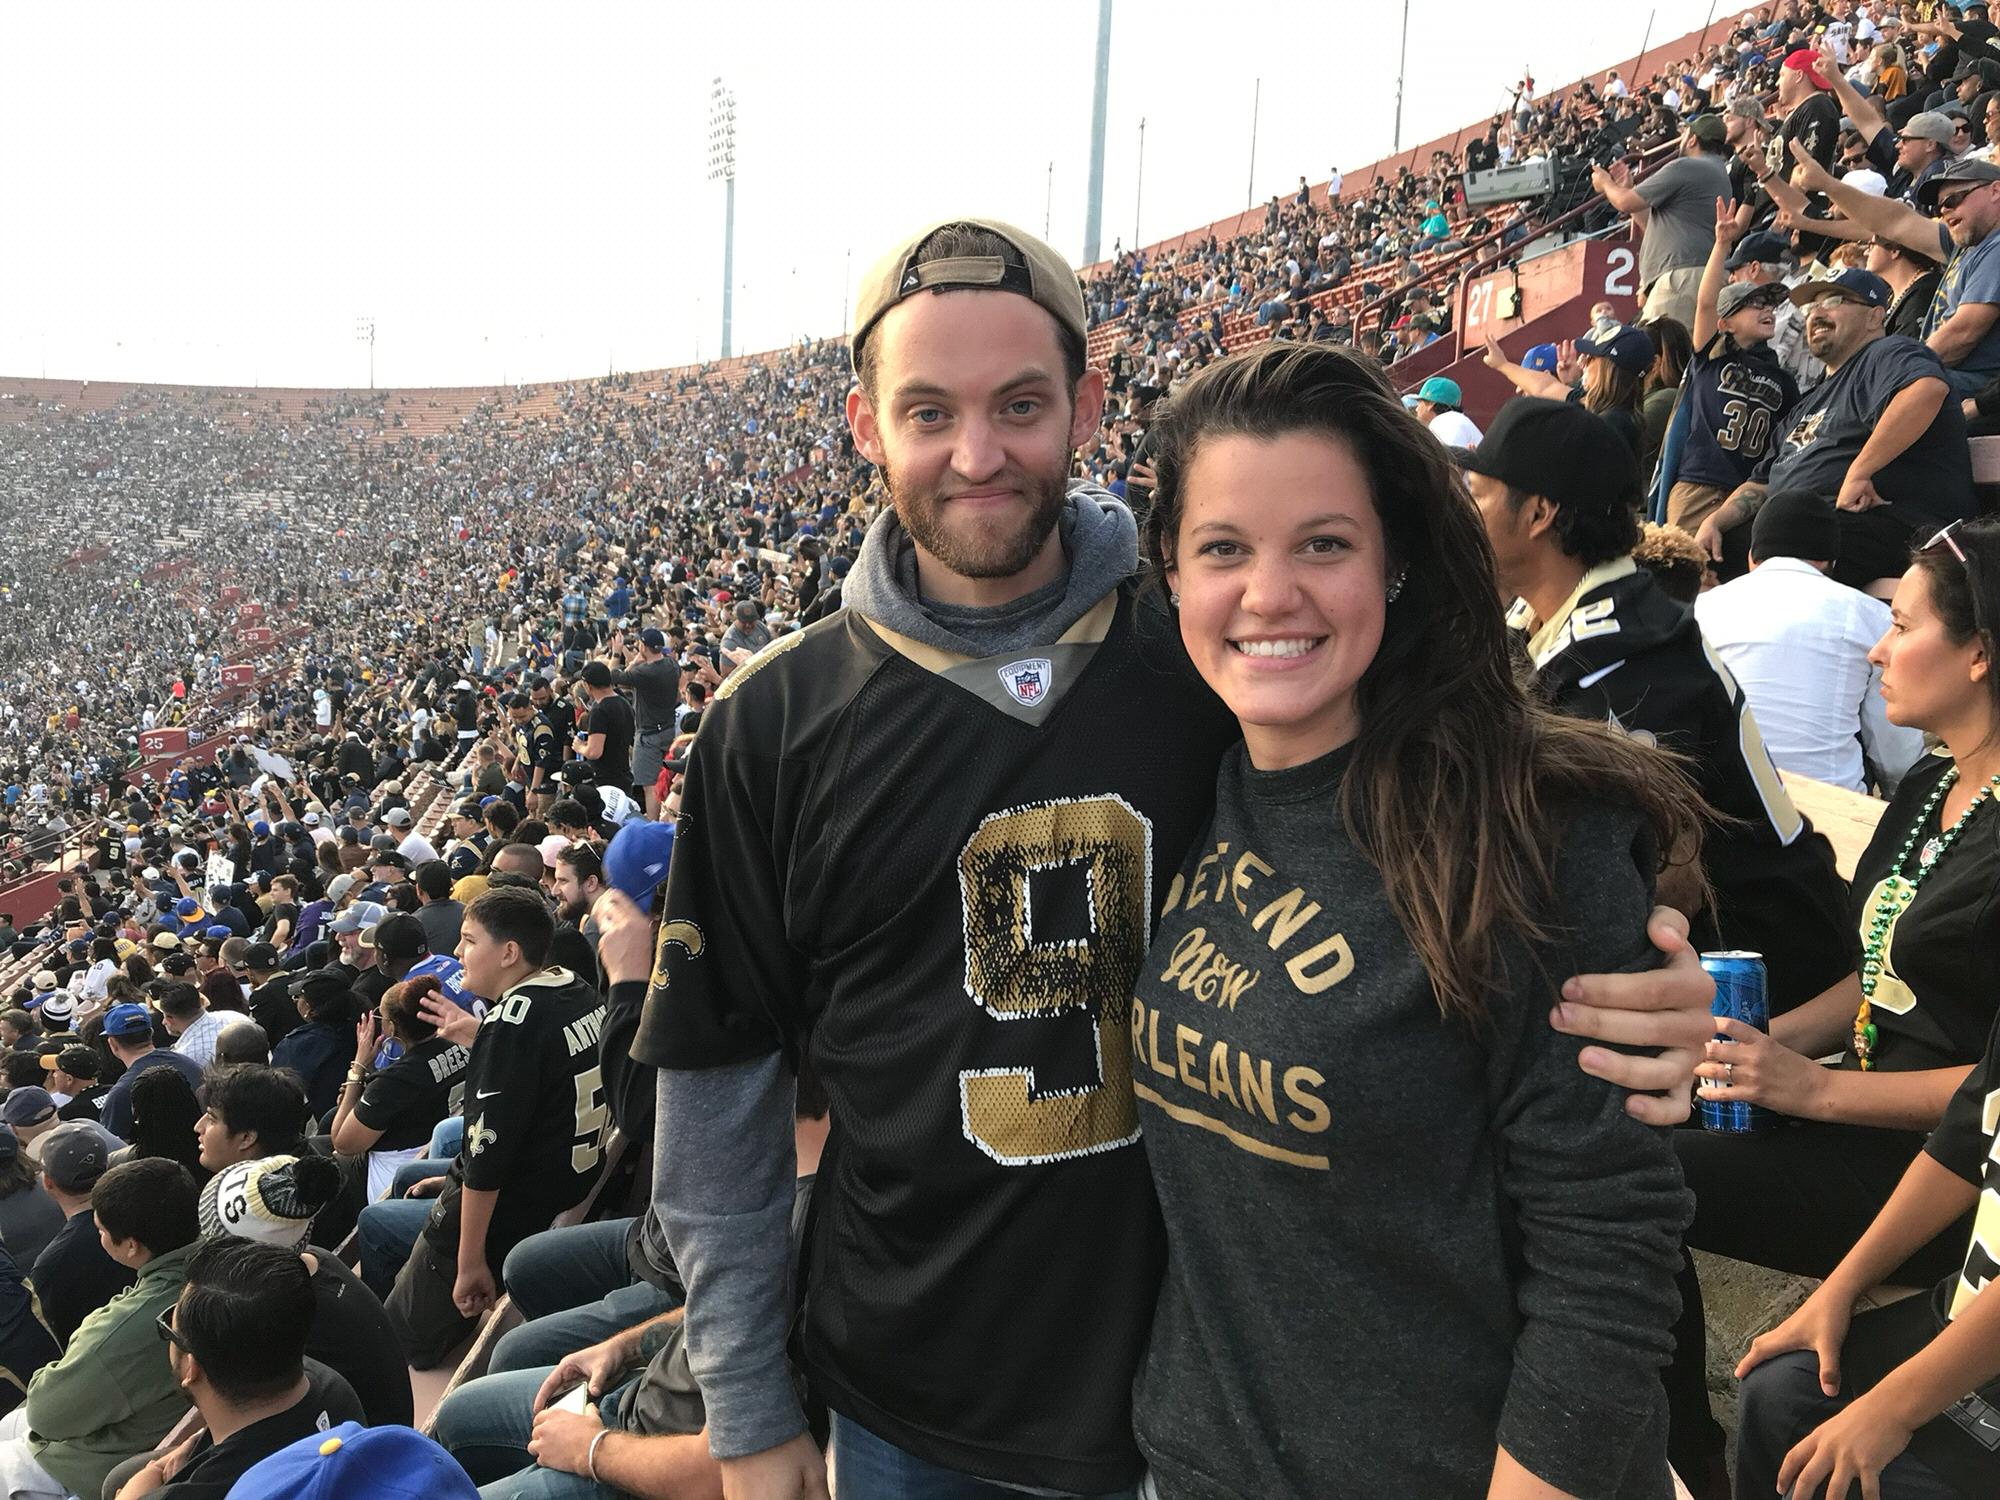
x=355, y=1020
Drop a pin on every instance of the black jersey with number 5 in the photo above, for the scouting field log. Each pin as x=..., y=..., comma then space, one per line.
x=535, y=1117
x=936, y=876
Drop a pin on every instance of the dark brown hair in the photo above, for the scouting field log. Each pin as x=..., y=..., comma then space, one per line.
x=403, y=1005
x=1447, y=725
x=1964, y=594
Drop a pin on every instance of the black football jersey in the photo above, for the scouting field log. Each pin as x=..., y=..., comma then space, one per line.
x=533, y=1101
x=1626, y=652
x=936, y=877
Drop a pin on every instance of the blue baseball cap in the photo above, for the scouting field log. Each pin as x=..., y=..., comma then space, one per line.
x=1852, y=285
x=260, y=828
x=1542, y=357
x=352, y=1462
x=127, y=1020
x=635, y=862
x=187, y=906
x=218, y=930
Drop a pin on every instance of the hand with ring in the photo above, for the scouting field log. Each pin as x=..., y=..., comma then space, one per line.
x=1750, y=1068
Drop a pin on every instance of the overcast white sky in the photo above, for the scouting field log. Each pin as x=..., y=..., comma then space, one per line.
x=215, y=193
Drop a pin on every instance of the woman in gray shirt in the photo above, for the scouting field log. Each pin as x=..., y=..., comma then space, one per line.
x=1413, y=1247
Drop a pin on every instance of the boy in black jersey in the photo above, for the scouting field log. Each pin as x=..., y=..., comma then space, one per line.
x=535, y=1122
x=923, y=842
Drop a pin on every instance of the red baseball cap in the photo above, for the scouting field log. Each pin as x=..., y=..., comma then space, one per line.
x=1803, y=61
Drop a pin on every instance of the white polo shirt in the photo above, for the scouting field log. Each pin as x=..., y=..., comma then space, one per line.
x=1797, y=643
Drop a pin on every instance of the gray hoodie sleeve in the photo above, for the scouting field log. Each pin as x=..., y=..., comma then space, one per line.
x=723, y=1183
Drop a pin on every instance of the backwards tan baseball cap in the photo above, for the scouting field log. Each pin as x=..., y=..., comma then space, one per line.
x=1035, y=271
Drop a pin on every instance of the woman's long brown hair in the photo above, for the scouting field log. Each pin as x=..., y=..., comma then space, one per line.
x=1458, y=778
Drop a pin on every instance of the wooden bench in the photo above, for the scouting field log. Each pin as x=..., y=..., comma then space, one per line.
x=1847, y=818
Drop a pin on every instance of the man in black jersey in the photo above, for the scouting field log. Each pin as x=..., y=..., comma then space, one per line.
x=534, y=1122
x=1608, y=643
x=534, y=754
x=923, y=843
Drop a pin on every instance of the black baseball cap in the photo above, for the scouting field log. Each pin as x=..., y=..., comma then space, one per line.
x=1761, y=248
x=1557, y=449
x=401, y=936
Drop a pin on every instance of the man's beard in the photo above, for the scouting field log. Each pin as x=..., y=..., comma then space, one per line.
x=982, y=550
x=573, y=911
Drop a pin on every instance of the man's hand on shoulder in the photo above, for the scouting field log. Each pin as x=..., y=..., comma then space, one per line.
x=794, y=1470
x=1669, y=1008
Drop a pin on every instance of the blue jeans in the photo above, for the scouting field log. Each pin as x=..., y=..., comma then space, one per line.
x=869, y=1466
x=575, y=1288
x=385, y=1231
x=485, y=1425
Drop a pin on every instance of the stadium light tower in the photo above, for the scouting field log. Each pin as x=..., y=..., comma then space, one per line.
x=364, y=332
x=1093, y=207
x=1402, y=57
x=722, y=164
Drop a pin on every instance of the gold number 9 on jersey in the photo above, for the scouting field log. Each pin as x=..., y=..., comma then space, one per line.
x=1015, y=973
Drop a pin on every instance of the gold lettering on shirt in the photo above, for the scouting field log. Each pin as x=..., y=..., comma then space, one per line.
x=1186, y=1039
x=1218, y=1075
x=1196, y=890
x=1195, y=966
x=1300, y=968
x=1289, y=917
x=1239, y=879
x=1299, y=1084
x=1252, y=1092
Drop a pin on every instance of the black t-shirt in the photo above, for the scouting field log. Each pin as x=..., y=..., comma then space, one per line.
x=1934, y=1001
x=272, y=1007
x=85, y=1105
x=74, y=1275
x=283, y=912
x=1815, y=122
x=535, y=1116
x=406, y=1100
x=208, y=1475
x=351, y=1334
x=611, y=716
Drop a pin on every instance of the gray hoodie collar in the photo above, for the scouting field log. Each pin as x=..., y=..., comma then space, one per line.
x=1100, y=544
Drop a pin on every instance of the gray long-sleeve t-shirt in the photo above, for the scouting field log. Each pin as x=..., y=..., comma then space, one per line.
x=1392, y=1244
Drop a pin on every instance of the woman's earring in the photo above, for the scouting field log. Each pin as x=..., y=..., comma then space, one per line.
x=1174, y=600
x=1396, y=585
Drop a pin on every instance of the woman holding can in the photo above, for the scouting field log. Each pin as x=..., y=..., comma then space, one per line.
x=1412, y=1248
x=1907, y=1026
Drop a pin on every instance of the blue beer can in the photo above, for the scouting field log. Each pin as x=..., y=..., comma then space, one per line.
x=1740, y=996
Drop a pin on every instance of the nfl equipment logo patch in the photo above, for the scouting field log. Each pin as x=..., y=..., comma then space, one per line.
x=1027, y=682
